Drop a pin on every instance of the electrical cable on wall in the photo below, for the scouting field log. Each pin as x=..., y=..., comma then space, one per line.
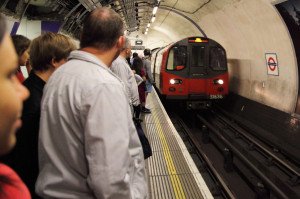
x=204, y=4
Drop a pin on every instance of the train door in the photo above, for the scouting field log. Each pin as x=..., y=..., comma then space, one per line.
x=198, y=67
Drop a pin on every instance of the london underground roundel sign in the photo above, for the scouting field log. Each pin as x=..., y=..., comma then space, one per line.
x=272, y=64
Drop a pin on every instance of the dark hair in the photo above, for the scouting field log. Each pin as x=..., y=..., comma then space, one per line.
x=102, y=29
x=147, y=52
x=21, y=43
x=49, y=46
x=134, y=55
x=2, y=27
x=137, y=65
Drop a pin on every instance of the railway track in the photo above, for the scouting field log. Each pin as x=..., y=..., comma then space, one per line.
x=238, y=164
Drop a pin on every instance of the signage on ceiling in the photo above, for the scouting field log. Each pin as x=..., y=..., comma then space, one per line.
x=138, y=48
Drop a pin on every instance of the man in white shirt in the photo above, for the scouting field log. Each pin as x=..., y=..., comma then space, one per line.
x=121, y=68
x=88, y=144
x=149, y=76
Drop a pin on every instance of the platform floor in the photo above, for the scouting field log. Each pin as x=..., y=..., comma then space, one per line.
x=172, y=173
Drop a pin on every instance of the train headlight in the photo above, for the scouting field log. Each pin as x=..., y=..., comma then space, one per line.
x=219, y=81
x=175, y=81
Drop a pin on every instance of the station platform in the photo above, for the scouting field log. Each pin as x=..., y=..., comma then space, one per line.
x=172, y=173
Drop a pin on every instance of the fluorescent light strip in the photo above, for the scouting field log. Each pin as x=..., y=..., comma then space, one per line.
x=155, y=10
x=153, y=19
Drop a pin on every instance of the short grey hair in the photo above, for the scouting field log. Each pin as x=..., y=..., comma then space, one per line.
x=127, y=43
x=102, y=29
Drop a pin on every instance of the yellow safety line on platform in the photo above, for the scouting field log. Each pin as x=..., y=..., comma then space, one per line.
x=176, y=183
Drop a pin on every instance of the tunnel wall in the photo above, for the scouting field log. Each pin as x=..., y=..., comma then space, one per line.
x=248, y=30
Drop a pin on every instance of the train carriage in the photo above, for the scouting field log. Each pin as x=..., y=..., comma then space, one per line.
x=193, y=70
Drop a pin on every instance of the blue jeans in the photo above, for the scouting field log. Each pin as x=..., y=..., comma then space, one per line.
x=149, y=87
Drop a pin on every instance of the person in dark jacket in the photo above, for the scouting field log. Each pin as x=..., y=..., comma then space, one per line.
x=137, y=66
x=47, y=52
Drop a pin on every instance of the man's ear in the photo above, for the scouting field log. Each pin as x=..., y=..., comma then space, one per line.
x=54, y=63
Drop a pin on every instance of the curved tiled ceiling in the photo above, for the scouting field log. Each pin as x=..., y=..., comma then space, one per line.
x=135, y=13
x=71, y=13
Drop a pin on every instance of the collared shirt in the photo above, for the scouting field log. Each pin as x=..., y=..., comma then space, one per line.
x=121, y=68
x=88, y=144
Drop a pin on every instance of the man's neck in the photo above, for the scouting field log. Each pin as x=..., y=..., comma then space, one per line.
x=106, y=56
x=44, y=75
x=123, y=55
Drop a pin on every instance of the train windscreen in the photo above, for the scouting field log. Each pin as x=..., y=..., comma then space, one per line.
x=177, y=57
x=198, y=55
x=217, y=59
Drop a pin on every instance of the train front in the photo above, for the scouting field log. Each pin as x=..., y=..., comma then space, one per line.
x=193, y=70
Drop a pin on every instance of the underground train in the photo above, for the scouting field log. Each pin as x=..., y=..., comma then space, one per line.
x=193, y=70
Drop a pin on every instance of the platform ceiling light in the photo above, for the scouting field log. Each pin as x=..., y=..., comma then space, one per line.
x=147, y=29
x=153, y=19
x=146, y=33
x=148, y=25
x=155, y=10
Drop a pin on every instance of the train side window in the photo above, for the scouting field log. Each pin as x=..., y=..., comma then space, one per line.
x=217, y=58
x=177, y=58
x=170, y=65
x=198, y=55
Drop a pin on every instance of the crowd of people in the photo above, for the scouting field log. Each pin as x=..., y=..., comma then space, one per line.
x=68, y=131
